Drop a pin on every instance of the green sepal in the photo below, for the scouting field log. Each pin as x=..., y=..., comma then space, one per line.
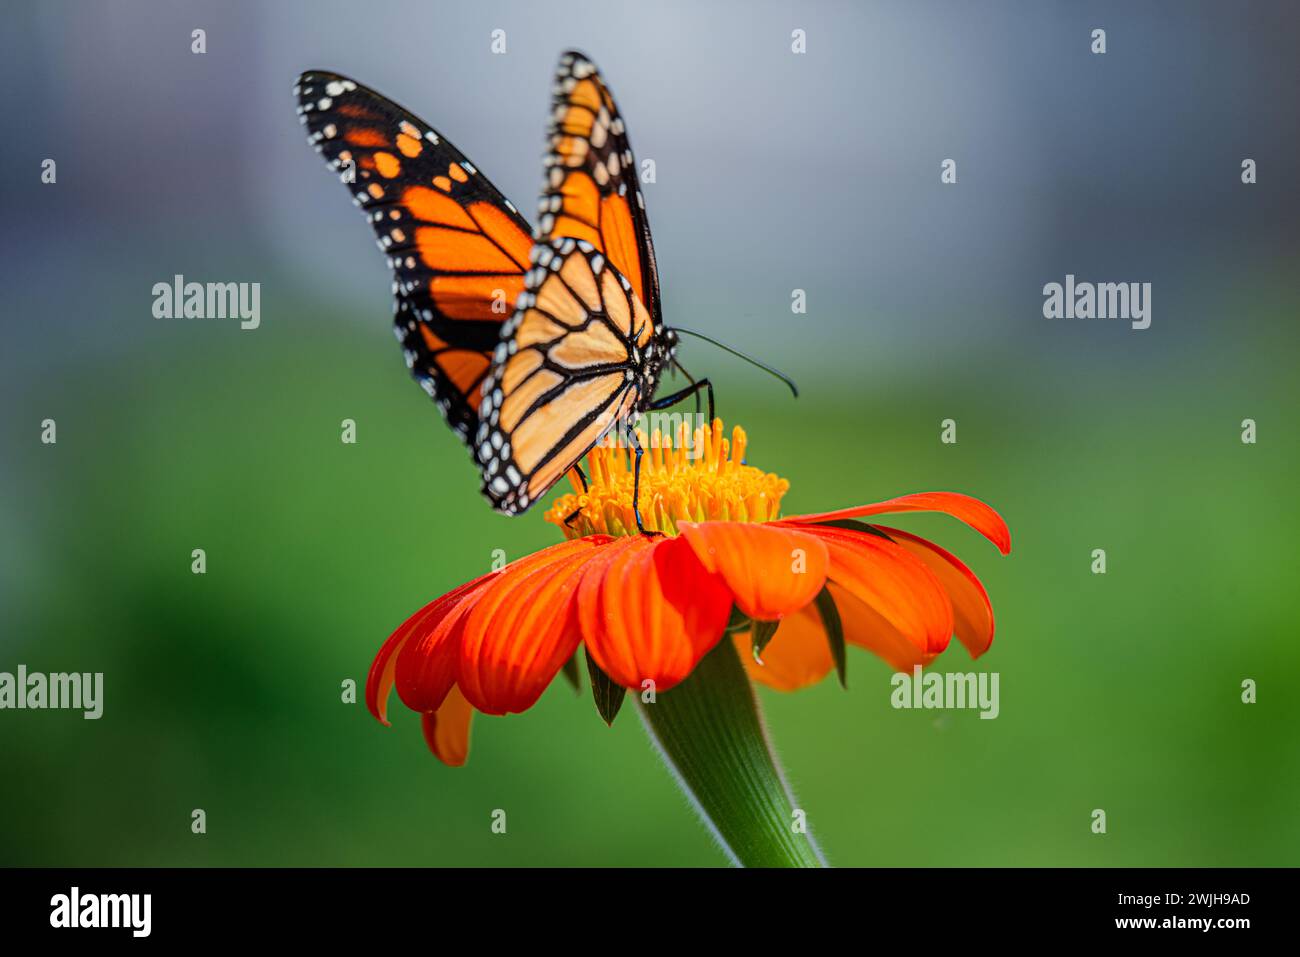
x=570, y=671
x=853, y=525
x=762, y=634
x=607, y=694
x=738, y=621
x=834, y=632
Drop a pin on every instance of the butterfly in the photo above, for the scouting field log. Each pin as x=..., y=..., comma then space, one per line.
x=534, y=342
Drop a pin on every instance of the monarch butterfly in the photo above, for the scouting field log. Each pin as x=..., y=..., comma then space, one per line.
x=584, y=346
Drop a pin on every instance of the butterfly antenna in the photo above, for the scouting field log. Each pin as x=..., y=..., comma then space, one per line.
x=740, y=355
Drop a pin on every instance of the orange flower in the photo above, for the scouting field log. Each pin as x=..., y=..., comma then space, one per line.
x=647, y=609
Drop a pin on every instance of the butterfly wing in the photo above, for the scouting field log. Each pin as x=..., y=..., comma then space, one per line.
x=591, y=191
x=577, y=357
x=457, y=247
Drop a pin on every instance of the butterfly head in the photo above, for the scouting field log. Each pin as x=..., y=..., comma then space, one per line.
x=670, y=341
x=659, y=354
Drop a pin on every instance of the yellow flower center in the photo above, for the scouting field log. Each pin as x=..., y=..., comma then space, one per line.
x=698, y=480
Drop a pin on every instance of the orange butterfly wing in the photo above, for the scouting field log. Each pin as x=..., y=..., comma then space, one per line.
x=591, y=190
x=578, y=356
x=584, y=349
x=457, y=247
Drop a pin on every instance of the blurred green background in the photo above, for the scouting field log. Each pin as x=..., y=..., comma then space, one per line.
x=223, y=691
x=1118, y=691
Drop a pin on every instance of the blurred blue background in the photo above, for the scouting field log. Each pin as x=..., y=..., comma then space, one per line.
x=775, y=172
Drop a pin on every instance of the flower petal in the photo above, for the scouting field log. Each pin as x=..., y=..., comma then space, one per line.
x=426, y=665
x=591, y=613
x=893, y=583
x=382, y=671
x=972, y=511
x=867, y=628
x=650, y=611
x=772, y=571
x=798, y=655
x=971, y=610
x=446, y=731
x=380, y=680
x=523, y=627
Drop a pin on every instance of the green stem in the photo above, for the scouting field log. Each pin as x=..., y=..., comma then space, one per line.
x=710, y=733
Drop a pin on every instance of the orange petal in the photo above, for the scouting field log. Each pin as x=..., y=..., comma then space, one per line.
x=522, y=628
x=446, y=731
x=798, y=655
x=969, y=510
x=867, y=628
x=971, y=610
x=380, y=680
x=426, y=666
x=591, y=615
x=650, y=611
x=383, y=670
x=771, y=571
x=894, y=583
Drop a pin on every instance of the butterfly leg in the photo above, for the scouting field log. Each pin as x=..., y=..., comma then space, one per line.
x=677, y=366
x=692, y=389
x=582, y=477
x=636, y=480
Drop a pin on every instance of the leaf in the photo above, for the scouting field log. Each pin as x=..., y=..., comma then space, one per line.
x=607, y=694
x=834, y=632
x=853, y=525
x=571, y=673
x=763, y=632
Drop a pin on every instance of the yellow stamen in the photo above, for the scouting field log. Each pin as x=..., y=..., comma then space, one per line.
x=698, y=480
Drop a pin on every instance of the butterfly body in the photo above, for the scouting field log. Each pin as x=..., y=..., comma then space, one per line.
x=535, y=344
